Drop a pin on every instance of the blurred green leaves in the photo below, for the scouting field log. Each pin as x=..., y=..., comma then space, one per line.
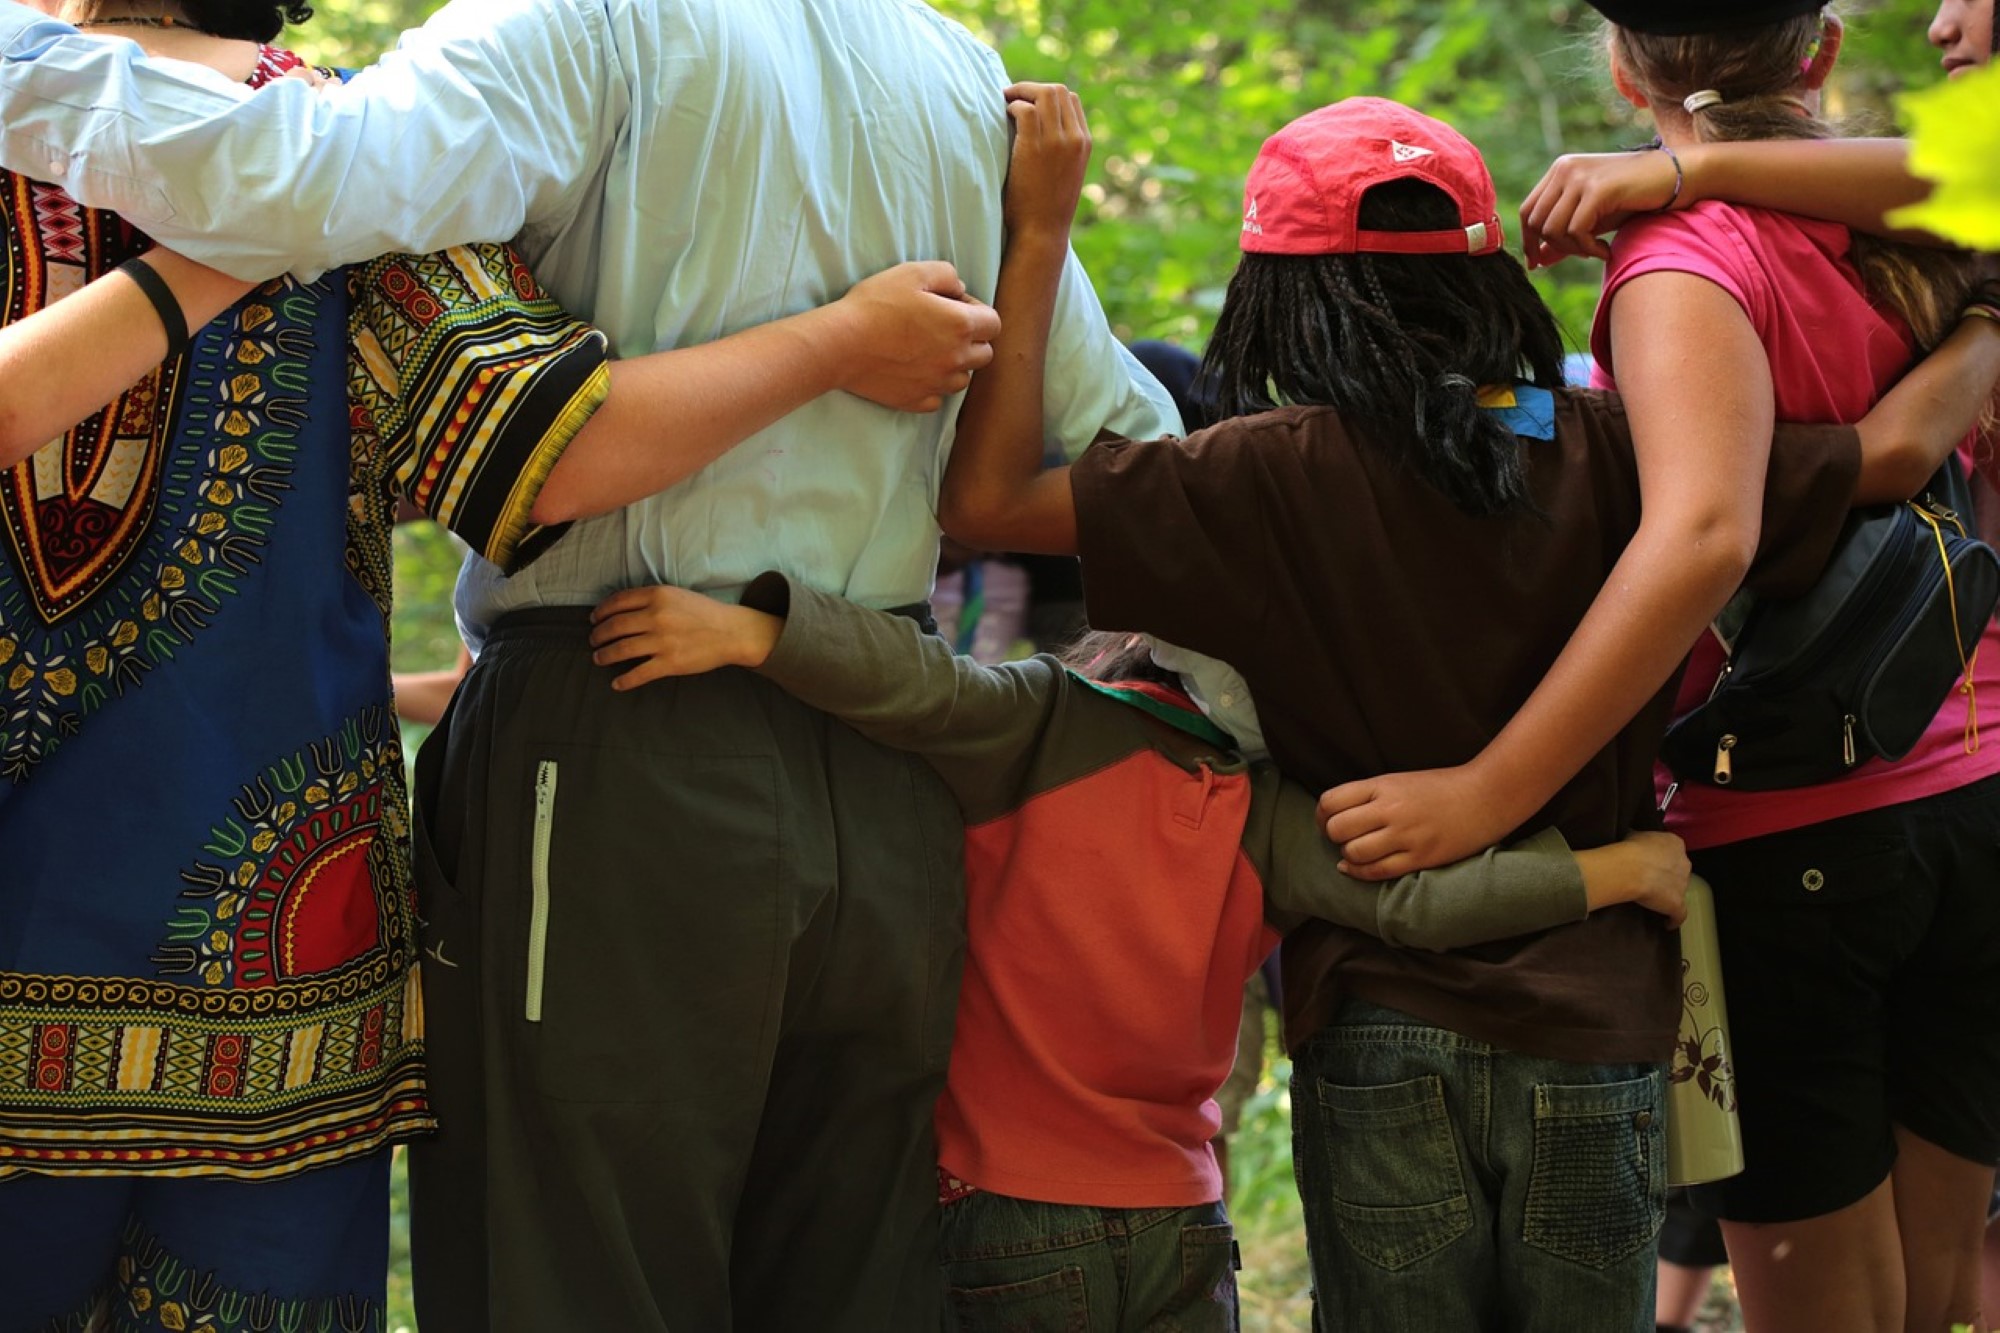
x=1181, y=94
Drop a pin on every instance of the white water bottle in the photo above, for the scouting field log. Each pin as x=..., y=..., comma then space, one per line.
x=1704, y=1140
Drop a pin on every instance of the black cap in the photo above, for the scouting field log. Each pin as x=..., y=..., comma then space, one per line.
x=1680, y=18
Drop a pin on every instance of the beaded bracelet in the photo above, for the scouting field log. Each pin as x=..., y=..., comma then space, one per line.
x=165, y=304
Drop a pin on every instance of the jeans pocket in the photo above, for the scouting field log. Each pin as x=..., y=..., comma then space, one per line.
x=1206, y=1301
x=1598, y=1190
x=1055, y=1302
x=1398, y=1193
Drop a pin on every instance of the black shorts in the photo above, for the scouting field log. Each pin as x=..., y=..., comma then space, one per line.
x=1689, y=1238
x=1859, y=957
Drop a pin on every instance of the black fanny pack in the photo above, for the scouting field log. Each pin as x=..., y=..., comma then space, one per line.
x=1857, y=667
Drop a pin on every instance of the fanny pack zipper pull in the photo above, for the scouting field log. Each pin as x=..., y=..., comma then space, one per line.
x=1723, y=775
x=1847, y=752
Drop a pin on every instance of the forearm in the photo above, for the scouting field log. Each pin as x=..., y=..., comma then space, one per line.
x=996, y=495
x=1855, y=182
x=1907, y=436
x=65, y=362
x=475, y=126
x=900, y=687
x=1502, y=892
x=673, y=413
x=1702, y=461
x=1630, y=642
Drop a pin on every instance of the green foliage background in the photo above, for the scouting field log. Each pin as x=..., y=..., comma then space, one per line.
x=1180, y=96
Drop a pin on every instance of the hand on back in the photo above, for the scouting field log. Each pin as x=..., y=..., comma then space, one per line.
x=674, y=632
x=915, y=336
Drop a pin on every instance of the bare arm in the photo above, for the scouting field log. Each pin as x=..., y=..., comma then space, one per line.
x=904, y=338
x=1916, y=426
x=1701, y=459
x=1583, y=196
x=63, y=363
x=996, y=495
x=421, y=696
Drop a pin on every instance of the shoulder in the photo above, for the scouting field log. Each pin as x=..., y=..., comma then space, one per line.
x=1691, y=236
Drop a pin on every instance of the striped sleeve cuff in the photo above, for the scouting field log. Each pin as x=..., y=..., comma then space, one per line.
x=473, y=382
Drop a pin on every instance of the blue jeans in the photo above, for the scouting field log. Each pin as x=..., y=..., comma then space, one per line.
x=1449, y=1184
x=1012, y=1266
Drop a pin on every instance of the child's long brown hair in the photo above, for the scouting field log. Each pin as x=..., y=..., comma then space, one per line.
x=1760, y=74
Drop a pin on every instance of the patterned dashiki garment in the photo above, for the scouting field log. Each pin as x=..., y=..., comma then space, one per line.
x=207, y=957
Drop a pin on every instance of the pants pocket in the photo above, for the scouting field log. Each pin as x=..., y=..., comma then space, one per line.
x=1397, y=1192
x=1056, y=1302
x=1598, y=1190
x=645, y=959
x=1206, y=1302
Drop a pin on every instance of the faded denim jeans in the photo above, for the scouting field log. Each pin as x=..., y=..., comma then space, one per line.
x=1452, y=1185
x=1013, y=1266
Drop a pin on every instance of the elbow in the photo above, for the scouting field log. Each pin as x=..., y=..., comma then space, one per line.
x=562, y=499
x=968, y=522
x=1895, y=469
x=1718, y=549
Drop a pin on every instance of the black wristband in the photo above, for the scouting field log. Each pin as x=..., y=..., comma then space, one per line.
x=165, y=304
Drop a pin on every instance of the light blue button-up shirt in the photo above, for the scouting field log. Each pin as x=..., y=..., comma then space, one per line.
x=676, y=170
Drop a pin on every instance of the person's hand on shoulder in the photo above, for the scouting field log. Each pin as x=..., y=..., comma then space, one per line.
x=1051, y=156
x=1583, y=196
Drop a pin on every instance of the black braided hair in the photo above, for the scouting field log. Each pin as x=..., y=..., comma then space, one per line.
x=1399, y=345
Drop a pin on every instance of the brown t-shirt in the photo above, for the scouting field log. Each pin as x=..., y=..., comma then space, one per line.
x=1381, y=629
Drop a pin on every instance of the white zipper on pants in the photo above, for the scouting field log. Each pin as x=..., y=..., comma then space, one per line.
x=538, y=919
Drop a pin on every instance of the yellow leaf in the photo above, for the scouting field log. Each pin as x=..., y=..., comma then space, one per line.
x=1955, y=144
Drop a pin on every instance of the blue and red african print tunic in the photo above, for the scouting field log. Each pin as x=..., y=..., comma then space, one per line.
x=207, y=959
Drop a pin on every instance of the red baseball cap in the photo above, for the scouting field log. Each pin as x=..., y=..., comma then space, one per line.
x=1304, y=192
